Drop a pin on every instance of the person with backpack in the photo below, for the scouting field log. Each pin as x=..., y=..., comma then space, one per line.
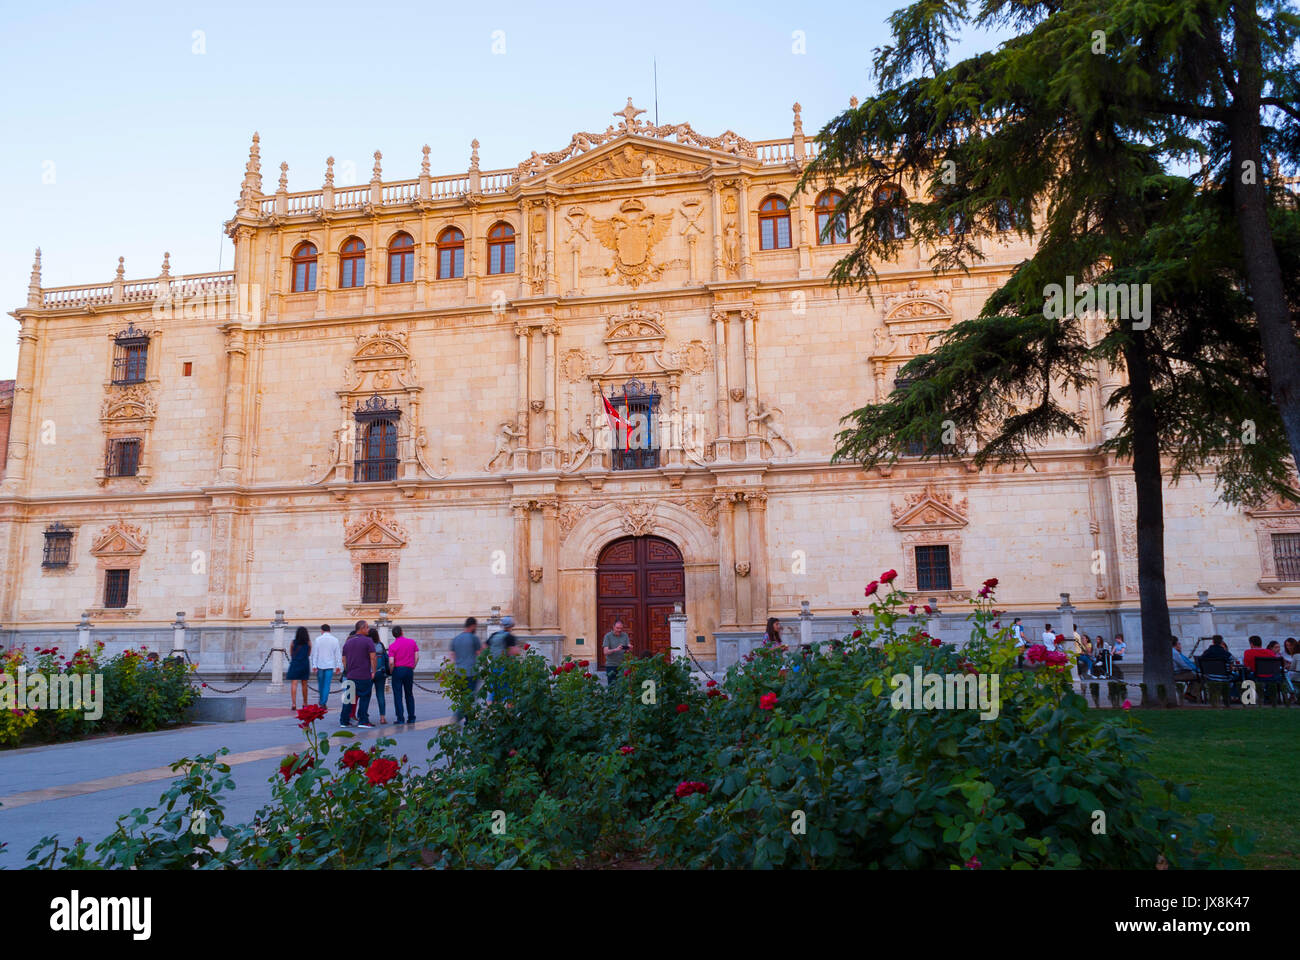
x=502, y=643
x=382, y=671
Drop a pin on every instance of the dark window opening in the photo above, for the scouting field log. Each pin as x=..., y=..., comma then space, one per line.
x=932, y=569
x=123, y=457
x=58, y=546
x=117, y=587
x=1286, y=555
x=374, y=583
x=375, y=457
x=130, y=355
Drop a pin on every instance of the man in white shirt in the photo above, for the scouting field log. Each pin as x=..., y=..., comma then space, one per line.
x=326, y=657
x=1017, y=632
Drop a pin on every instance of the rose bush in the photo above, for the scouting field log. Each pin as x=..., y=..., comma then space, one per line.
x=797, y=758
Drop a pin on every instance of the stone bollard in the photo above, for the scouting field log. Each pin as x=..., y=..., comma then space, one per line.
x=677, y=631
x=385, y=628
x=933, y=626
x=1066, y=610
x=83, y=632
x=178, y=634
x=805, y=624
x=277, y=653
x=1204, y=611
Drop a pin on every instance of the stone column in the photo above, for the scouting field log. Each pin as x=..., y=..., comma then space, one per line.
x=524, y=333
x=751, y=374
x=716, y=196
x=805, y=240
x=549, y=332
x=521, y=510
x=523, y=253
x=742, y=214
x=20, y=413
x=232, y=436
x=726, y=560
x=674, y=421
x=551, y=565
x=723, y=450
x=1204, y=611
x=1066, y=610
x=83, y=632
x=756, y=506
x=552, y=277
x=744, y=565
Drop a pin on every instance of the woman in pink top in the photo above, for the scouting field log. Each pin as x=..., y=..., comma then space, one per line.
x=404, y=654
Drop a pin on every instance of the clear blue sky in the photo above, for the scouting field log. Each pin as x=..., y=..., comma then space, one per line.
x=144, y=139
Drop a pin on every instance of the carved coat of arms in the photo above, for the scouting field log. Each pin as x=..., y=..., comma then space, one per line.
x=632, y=234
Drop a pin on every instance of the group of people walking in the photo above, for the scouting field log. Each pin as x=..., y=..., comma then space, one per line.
x=1095, y=657
x=364, y=660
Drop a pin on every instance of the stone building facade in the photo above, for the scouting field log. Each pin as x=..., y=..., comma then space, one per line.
x=398, y=403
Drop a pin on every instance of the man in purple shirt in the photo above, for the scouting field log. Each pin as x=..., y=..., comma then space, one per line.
x=359, y=667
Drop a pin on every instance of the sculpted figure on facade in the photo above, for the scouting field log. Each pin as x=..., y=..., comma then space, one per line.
x=505, y=433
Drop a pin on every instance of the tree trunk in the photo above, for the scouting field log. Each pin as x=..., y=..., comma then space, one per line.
x=1259, y=256
x=1157, y=640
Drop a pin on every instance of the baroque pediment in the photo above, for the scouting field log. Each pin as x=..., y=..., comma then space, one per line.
x=627, y=159
x=375, y=531
x=929, y=509
x=135, y=403
x=119, y=540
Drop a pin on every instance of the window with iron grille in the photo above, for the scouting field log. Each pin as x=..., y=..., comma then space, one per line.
x=123, y=457
x=636, y=426
x=130, y=355
x=375, y=458
x=932, y=569
x=58, y=546
x=374, y=583
x=117, y=587
x=1286, y=555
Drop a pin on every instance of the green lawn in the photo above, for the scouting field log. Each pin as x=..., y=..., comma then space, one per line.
x=1242, y=765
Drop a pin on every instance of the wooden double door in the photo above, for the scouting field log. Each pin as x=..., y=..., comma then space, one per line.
x=638, y=579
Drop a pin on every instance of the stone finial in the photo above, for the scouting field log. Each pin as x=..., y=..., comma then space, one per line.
x=798, y=120
x=376, y=174
x=166, y=265
x=34, y=285
x=329, y=171
x=253, y=170
x=424, y=162
x=284, y=179
x=121, y=268
x=853, y=102
x=473, y=154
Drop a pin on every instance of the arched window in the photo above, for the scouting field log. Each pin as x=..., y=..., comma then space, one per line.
x=401, y=259
x=304, y=267
x=352, y=263
x=956, y=222
x=1004, y=216
x=828, y=231
x=891, y=196
x=773, y=224
x=501, y=248
x=451, y=254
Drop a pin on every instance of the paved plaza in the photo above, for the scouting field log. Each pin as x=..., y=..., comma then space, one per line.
x=81, y=788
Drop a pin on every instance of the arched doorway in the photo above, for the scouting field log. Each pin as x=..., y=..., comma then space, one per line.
x=638, y=579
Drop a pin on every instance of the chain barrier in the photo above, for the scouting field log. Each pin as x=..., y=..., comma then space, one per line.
x=246, y=682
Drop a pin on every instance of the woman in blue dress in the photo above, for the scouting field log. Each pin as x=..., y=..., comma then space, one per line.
x=299, y=666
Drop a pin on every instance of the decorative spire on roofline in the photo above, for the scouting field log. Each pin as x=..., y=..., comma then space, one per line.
x=34, y=285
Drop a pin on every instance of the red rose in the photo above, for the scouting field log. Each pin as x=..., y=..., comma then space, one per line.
x=527, y=645
x=712, y=683
x=767, y=701
x=714, y=693
x=871, y=588
x=991, y=582
x=584, y=663
x=888, y=576
x=288, y=764
x=355, y=757
x=682, y=708
x=857, y=634
x=927, y=609
x=512, y=752
x=309, y=715
x=936, y=642
x=857, y=613
x=627, y=673
x=687, y=787
x=973, y=864
x=911, y=608
x=381, y=771
x=625, y=750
